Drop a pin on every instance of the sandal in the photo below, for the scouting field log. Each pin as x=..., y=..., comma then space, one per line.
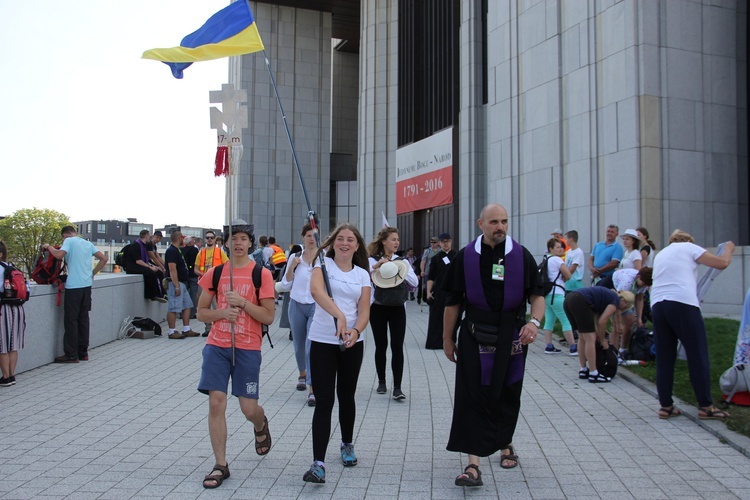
x=216, y=478
x=669, y=412
x=266, y=443
x=712, y=413
x=301, y=384
x=510, y=456
x=469, y=479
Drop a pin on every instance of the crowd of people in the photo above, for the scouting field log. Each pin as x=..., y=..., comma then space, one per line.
x=487, y=304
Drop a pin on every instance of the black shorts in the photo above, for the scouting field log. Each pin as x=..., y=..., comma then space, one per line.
x=579, y=312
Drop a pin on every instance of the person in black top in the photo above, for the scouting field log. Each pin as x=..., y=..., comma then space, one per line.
x=137, y=262
x=493, y=278
x=177, y=293
x=190, y=252
x=435, y=295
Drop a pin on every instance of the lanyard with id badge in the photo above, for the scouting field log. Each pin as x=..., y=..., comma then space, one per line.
x=498, y=270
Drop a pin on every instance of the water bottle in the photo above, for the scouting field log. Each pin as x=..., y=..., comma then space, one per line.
x=632, y=362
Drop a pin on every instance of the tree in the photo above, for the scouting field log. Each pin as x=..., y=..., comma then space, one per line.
x=26, y=230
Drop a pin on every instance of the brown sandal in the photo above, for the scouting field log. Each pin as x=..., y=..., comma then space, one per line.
x=712, y=413
x=467, y=479
x=511, y=455
x=266, y=443
x=669, y=412
x=216, y=478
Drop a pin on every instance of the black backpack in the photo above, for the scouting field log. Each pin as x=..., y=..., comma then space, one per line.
x=543, y=278
x=121, y=255
x=641, y=345
x=396, y=296
x=257, y=282
x=606, y=360
x=147, y=324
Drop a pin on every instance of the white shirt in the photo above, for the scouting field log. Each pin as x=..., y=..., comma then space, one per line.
x=624, y=280
x=629, y=257
x=300, y=283
x=649, y=262
x=346, y=288
x=575, y=257
x=553, y=268
x=675, y=274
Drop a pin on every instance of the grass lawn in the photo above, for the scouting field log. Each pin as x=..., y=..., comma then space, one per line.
x=722, y=339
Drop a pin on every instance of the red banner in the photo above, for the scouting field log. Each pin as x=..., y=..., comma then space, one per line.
x=425, y=191
x=424, y=173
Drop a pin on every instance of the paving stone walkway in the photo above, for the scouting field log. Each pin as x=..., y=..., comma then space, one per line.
x=129, y=423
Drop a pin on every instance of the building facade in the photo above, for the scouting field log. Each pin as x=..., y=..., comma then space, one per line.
x=572, y=113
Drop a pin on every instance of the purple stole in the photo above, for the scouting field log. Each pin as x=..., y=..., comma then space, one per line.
x=144, y=253
x=513, y=298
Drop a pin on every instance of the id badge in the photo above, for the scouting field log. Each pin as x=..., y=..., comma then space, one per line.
x=498, y=272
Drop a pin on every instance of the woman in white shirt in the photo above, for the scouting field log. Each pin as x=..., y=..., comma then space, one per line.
x=558, y=273
x=296, y=280
x=388, y=316
x=677, y=316
x=631, y=256
x=336, y=347
x=648, y=247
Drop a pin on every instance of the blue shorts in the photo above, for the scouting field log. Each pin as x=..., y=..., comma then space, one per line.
x=178, y=304
x=217, y=369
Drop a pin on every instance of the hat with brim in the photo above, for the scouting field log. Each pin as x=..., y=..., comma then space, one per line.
x=240, y=226
x=630, y=232
x=390, y=274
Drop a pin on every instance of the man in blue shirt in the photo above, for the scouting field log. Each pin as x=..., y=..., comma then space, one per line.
x=606, y=255
x=77, y=253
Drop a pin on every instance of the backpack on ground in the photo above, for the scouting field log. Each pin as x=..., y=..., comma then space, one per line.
x=545, y=283
x=641, y=345
x=147, y=324
x=121, y=256
x=49, y=270
x=257, y=282
x=735, y=384
x=606, y=360
x=257, y=256
x=16, y=292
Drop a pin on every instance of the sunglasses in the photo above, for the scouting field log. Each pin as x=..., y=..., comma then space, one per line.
x=210, y=237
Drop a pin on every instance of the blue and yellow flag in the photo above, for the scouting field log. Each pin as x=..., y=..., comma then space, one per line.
x=229, y=32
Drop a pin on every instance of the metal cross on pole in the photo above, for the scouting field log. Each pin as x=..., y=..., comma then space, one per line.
x=229, y=122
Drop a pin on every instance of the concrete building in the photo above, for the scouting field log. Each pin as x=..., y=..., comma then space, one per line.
x=572, y=113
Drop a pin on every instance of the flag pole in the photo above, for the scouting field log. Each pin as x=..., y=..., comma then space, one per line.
x=310, y=213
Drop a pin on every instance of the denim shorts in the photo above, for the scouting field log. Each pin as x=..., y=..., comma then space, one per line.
x=217, y=369
x=178, y=304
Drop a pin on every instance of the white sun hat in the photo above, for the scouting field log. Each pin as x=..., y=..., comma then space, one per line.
x=390, y=274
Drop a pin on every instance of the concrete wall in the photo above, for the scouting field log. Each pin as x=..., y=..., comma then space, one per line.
x=268, y=192
x=626, y=112
x=114, y=296
x=378, y=114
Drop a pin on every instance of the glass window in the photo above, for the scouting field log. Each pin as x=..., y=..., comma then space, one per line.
x=101, y=228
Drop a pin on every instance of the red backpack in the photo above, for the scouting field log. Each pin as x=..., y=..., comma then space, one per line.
x=16, y=292
x=50, y=271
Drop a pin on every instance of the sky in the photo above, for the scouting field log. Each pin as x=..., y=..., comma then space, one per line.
x=90, y=129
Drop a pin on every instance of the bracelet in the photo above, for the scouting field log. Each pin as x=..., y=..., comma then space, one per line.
x=357, y=330
x=244, y=305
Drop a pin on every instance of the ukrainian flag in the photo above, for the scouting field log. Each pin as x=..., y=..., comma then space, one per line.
x=229, y=32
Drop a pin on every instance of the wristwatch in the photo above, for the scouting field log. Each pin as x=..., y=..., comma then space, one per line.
x=535, y=322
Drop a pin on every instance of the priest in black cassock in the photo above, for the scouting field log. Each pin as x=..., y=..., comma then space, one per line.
x=492, y=278
x=435, y=293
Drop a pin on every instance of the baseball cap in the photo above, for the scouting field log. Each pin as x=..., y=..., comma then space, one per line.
x=434, y=239
x=445, y=236
x=557, y=230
